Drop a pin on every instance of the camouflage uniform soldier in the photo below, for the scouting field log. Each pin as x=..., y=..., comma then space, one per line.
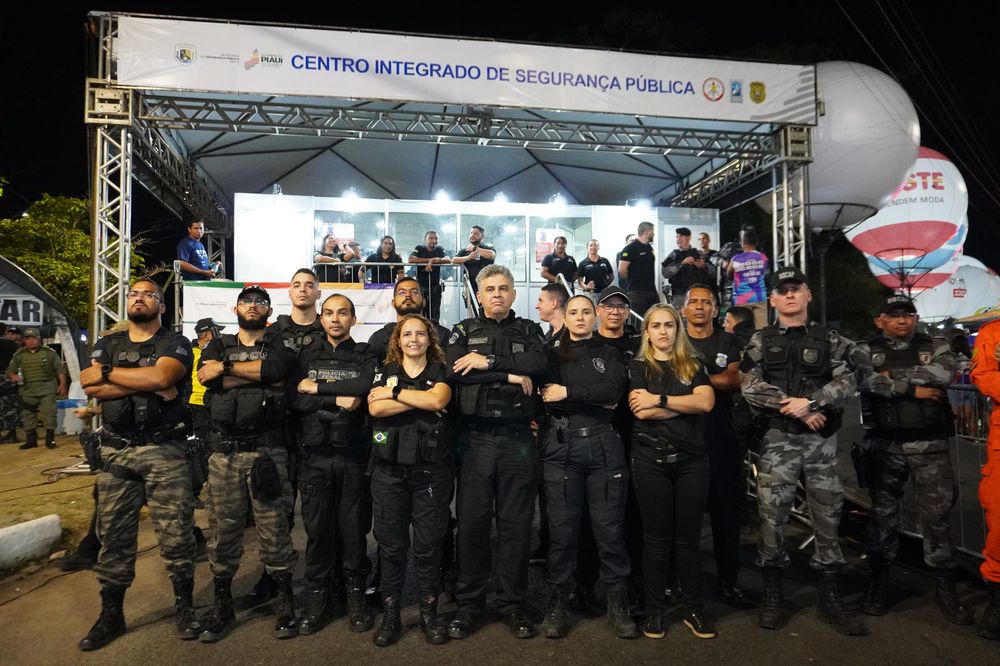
x=10, y=406
x=244, y=376
x=140, y=377
x=41, y=375
x=799, y=375
x=908, y=420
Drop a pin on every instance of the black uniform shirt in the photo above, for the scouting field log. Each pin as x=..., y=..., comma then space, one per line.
x=565, y=266
x=278, y=362
x=384, y=274
x=642, y=265
x=389, y=376
x=599, y=272
x=532, y=361
x=473, y=266
x=594, y=375
x=683, y=276
x=379, y=340
x=683, y=431
x=298, y=336
x=434, y=275
x=717, y=351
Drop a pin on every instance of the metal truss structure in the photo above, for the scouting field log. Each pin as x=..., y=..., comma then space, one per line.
x=132, y=139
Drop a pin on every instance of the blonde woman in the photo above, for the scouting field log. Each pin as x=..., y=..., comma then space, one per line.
x=669, y=391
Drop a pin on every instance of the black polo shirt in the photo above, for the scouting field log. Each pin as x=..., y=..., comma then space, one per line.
x=425, y=278
x=473, y=266
x=642, y=266
x=599, y=272
x=565, y=266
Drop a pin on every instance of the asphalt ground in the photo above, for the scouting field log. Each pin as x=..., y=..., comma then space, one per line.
x=43, y=614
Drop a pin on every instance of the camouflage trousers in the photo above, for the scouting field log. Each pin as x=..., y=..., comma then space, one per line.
x=229, y=489
x=10, y=405
x=784, y=458
x=159, y=476
x=890, y=465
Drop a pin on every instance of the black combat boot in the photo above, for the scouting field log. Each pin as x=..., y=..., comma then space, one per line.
x=10, y=437
x=989, y=623
x=187, y=624
x=618, y=616
x=30, y=440
x=222, y=617
x=357, y=605
x=555, y=624
x=434, y=631
x=111, y=623
x=50, y=439
x=318, y=607
x=876, y=601
x=769, y=613
x=946, y=597
x=262, y=591
x=285, y=625
x=387, y=632
x=464, y=624
x=831, y=606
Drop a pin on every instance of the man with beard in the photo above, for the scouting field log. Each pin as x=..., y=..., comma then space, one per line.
x=476, y=255
x=684, y=267
x=426, y=257
x=244, y=376
x=720, y=355
x=637, y=267
x=336, y=500
x=139, y=376
x=491, y=360
x=407, y=299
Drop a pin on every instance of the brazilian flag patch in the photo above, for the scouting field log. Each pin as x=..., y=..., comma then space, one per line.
x=380, y=437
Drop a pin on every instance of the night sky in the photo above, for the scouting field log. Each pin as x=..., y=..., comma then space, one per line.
x=942, y=53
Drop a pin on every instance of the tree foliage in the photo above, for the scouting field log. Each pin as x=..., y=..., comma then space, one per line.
x=51, y=242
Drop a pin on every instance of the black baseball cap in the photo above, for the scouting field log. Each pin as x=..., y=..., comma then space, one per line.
x=787, y=274
x=207, y=324
x=613, y=290
x=899, y=302
x=254, y=289
x=683, y=231
x=13, y=329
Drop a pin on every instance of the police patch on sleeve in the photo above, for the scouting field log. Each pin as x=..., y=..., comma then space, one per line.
x=599, y=365
x=392, y=382
x=378, y=377
x=453, y=339
x=183, y=351
x=96, y=353
x=721, y=360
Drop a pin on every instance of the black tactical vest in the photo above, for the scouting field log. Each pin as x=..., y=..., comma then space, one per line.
x=249, y=408
x=142, y=411
x=895, y=416
x=798, y=365
x=293, y=334
x=330, y=424
x=498, y=400
x=418, y=438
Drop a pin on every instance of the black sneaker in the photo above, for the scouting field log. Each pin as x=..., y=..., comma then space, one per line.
x=653, y=626
x=699, y=624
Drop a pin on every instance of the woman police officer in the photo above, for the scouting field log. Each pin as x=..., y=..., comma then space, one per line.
x=584, y=465
x=411, y=480
x=669, y=392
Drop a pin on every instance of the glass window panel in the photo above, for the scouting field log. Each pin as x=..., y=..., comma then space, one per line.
x=506, y=235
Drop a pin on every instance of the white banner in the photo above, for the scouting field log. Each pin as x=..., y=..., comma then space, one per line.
x=198, y=55
x=372, y=303
x=18, y=310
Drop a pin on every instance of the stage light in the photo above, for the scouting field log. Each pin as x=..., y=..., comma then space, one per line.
x=442, y=196
x=557, y=202
x=500, y=198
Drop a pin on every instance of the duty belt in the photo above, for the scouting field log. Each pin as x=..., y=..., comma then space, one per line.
x=143, y=437
x=227, y=444
x=667, y=451
x=563, y=434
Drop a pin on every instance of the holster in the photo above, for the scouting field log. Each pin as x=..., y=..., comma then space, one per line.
x=265, y=482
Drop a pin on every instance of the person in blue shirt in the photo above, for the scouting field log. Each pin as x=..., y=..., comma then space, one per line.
x=191, y=255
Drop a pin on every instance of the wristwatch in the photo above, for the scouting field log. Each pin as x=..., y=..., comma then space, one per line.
x=491, y=360
x=395, y=391
x=106, y=370
x=663, y=401
x=227, y=365
x=813, y=405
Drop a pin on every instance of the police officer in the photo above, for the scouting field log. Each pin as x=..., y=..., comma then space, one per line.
x=637, y=267
x=40, y=375
x=684, y=267
x=476, y=255
x=336, y=501
x=492, y=359
x=411, y=475
x=908, y=421
x=799, y=375
x=720, y=355
x=584, y=465
x=407, y=299
x=140, y=377
x=244, y=376
x=428, y=258
x=10, y=412
x=298, y=329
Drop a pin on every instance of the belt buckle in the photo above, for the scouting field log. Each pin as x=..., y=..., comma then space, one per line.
x=670, y=458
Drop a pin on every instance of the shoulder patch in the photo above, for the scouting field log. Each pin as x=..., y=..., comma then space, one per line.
x=183, y=351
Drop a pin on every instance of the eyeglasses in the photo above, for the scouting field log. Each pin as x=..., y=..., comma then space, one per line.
x=788, y=288
x=144, y=294
x=262, y=302
x=407, y=292
x=620, y=307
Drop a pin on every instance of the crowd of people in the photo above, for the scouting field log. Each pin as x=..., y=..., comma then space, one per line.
x=622, y=441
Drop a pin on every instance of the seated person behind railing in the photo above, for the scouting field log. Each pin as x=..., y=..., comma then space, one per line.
x=385, y=254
